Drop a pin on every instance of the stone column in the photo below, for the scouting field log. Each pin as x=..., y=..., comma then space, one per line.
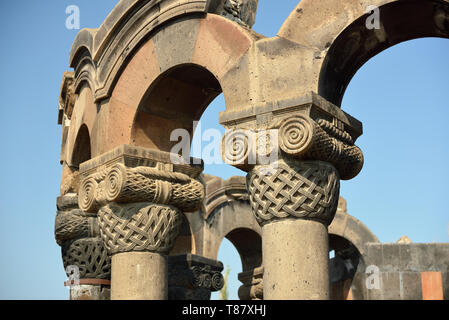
x=294, y=195
x=84, y=256
x=140, y=197
x=294, y=205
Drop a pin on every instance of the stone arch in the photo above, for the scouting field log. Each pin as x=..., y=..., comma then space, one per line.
x=345, y=43
x=229, y=215
x=175, y=99
x=353, y=230
x=249, y=246
x=82, y=120
x=348, y=238
x=209, y=46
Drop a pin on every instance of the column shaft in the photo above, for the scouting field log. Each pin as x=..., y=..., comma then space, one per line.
x=296, y=260
x=139, y=276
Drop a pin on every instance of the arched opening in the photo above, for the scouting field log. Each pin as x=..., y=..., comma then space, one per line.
x=344, y=262
x=399, y=21
x=82, y=149
x=401, y=97
x=249, y=246
x=241, y=251
x=174, y=101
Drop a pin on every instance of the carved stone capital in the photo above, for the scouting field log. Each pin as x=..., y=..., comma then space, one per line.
x=191, y=276
x=139, y=227
x=132, y=174
x=89, y=256
x=294, y=189
x=79, y=237
x=75, y=224
x=316, y=130
x=252, y=288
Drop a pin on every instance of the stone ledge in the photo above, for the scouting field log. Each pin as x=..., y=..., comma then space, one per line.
x=133, y=156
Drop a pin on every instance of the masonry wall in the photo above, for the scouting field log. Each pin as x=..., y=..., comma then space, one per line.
x=406, y=272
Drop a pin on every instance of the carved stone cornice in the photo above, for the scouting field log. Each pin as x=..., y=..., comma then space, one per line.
x=192, y=272
x=313, y=130
x=133, y=174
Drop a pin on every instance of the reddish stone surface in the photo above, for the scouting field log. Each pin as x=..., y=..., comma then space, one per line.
x=220, y=44
x=432, y=285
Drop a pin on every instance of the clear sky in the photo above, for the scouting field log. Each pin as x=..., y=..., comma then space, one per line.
x=401, y=96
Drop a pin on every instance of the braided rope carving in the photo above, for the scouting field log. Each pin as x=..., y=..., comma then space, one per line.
x=335, y=132
x=90, y=256
x=139, y=227
x=302, y=190
x=74, y=224
x=141, y=184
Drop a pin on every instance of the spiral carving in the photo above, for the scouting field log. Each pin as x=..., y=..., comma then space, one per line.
x=87, y=195
x=235, y=147
x=296, y=135
x=197, y=280
x=207, y=280
x=115, y=181
x=141, y=184
x=217, y=281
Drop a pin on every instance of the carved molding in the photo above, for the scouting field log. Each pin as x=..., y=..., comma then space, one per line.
x=127, y=185
x=139, y=227
x=295, y=189
x=132, y=174
x=300, y=137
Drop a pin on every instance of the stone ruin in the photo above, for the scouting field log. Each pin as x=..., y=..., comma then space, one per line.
x=133, y=224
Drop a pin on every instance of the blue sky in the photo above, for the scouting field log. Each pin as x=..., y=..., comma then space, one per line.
x=401, y=96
